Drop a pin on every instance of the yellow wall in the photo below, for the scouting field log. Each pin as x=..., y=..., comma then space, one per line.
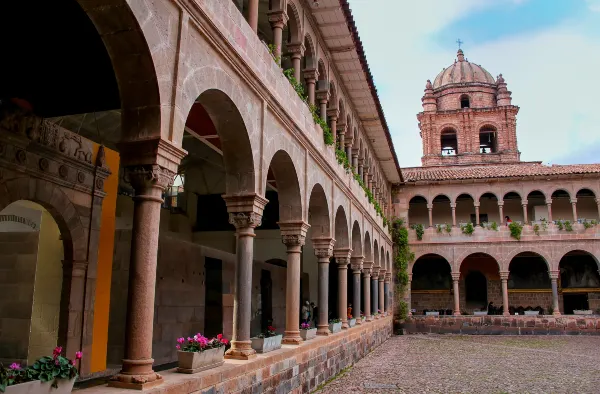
x=105, y=260
x=47, y=288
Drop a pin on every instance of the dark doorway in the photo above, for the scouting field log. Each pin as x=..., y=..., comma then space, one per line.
x=333, y=290
x=476, y=290
x=213, y=312
x=575, y=301
x=350, y=290
x=266, y=298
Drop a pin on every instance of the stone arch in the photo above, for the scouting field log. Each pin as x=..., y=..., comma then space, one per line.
x=595, y=254
x=528, y=191
x=468, y=253
x=310, y=53
x=323, y=76
x=357, y=242
x=342, y=239
x=441, y=195
x=562, y=189
x=531, y=249
x=376, y=260
x=444, y=252
x=456, y=195
x=413, y=195
x=511, y=191
x=382, y=258
x=333, y=98
x=367, y=250
x=428, y=253
x=389, y=263
x=318, y=212
x=592, y=189
x=288, y=187
x=487, y=192
x=342, y=108
x=234, y=134
x=294, y=25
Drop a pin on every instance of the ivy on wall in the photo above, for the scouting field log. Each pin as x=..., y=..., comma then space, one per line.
x=402, y=257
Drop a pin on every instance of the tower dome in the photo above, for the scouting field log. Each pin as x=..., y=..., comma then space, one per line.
x=462, y=71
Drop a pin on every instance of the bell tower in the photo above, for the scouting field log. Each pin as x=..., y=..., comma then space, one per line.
x=468, y=117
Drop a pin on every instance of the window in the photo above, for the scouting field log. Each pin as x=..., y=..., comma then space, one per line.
x=488, y=140
x=464, y=101
x=448, y=142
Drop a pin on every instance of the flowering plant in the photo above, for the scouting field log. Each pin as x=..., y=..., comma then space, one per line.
x=56, y=367
x=200, y=343
x=13, y=375
x=305, y=326
x=270, y=332
x=333, y=321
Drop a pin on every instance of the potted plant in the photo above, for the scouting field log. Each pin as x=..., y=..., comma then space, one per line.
x=582, y=312
x=17, y=380
x=362, y=316
x=531, y=313
x=335, y=325
x=57, y=373
x=267, y=341
x=200, y=353
x=307, y=332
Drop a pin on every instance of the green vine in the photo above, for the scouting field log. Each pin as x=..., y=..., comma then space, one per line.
x=448, y=228
x=419, y=230
x=568, y=226
x=289, y=74
x=468, y=228
x=515, y=230
x=536, y=229
x=560, y=225
x=272, y=48
x=342, y=158
x=402, y=258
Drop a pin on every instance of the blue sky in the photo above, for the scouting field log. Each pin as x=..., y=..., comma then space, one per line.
x=547, y=50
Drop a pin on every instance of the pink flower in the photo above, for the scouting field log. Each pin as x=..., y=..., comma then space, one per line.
x=178, y=347
x=190, y=339
x=57, y=351
x=15, y=366
x=202, y=341
x=220, y=336
x=57, y=362
x=180, y=340
x=73, y=362
x=224, y=341
x=78, y=355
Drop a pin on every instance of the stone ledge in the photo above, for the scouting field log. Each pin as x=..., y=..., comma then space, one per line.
x=300, y=368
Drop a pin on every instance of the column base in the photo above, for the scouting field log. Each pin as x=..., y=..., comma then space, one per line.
x=505, y=314
x=556, y=313
x=240, y=350
x=358, y=320
x=456, y=314
x=292, y=338
x=136, y=378
x=369, y=319
x=323, y=330
x=345, y=325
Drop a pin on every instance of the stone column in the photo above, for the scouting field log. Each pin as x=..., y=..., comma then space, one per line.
x=323, y=250
x=554, y=280
x=149, y=182
x=574, y=206
x=367, y=289
x=356, y=265
x=375, y=291
x=311, y=75
x=278, y=20
x=504, y=279
x=430, y=212
x=293, y=236
x=501, y=212
x=342, y=258
x=323, y=98
x=355, y=159
x=455, y=279
x=453, y=207
x=296, y=50
x=524, y=204
x=549, y=206
x=253, y=15
x=342, y=138
x=382, y=291
x=366, y=175
x=409, y=290
x=349, y=142
x=598, y=205
x=245, y=213
x=333, y=117
x=360, y=173
x=476, y=213
x=388, y=292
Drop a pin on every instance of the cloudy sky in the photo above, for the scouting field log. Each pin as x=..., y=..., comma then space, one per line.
x=547, y=50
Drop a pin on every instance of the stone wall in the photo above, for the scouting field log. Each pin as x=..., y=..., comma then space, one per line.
x=525, y=299
x=298, y=369
x=498, y=325
x=431, y=300
x=180, y=294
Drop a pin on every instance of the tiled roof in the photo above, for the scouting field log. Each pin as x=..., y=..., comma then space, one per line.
x=531, y=169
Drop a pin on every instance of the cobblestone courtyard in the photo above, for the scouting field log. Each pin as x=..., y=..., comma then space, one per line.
x=476, y=364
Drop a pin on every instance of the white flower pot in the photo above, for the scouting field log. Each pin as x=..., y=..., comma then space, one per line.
x=532, y=313
x=192, y=362
x=265, y=345
x=432, y=313
x=582, y=312
x=351, y=322
x=335, y=327
x=308, y=334
x=64, y=387
x=480, y=313
x=24, y=388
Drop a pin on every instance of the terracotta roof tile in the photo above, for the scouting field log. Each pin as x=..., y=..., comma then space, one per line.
x=446, y=173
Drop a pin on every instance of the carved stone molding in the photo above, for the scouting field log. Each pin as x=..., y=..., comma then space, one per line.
x=245, y=211
x=342, y=256
x=278, y=18
x=293, y=240
x=293, y=233
x=323, y=247
x=296, y=49
x=142, y=177
x=245, y=219
x=356, y=263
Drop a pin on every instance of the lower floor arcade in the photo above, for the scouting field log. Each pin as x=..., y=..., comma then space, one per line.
x=527, y=282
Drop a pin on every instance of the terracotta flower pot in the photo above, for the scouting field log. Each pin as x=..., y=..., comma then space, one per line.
x=265, y=345
x=335, y=327
x=24, y=388
x=64, y=387
x=308, y=334
x=192, y=362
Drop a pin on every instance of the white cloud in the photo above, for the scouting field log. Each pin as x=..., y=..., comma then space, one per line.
x=551, y=73
x=593, y=5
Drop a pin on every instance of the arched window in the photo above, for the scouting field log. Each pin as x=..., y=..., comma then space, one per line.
x=488, y=139
x=448, y=142
x=464, y=101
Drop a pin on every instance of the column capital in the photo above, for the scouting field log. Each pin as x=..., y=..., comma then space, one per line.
x=334, y=113
x=388, y=276
x=476, y=204
x=278, y=18
x=381, y=275
x=524, y=202
x=375, y=272
x=311, y=74
x=342, y=256
x=598, y=201
x=554, y=274
x=296, y=49
x=573, y=201
x=455, y=276
x=453, y=205
x=548, y=201
x=323, y=95
x=430, y=206
x=293, y=233
x=245, y=210
x=504, y=275
x=149, y=152
x=367, y=267
x=356, y=263
x=143, y=177
x=501, y=204
x=323, y=247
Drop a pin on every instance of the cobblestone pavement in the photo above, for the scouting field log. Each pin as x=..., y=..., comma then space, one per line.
x=476, y=364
